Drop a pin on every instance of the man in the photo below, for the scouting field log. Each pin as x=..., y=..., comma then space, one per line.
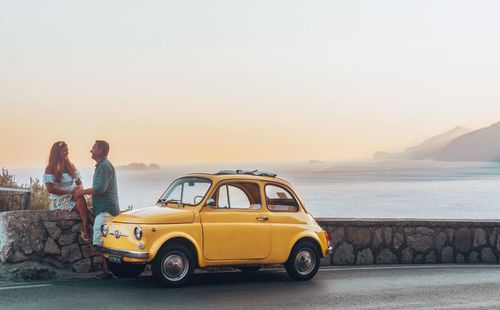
x=104, y=193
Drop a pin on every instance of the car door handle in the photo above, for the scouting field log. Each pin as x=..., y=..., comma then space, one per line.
x=262, y=218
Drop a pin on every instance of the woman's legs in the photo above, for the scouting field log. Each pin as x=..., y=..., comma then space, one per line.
x=81, y=208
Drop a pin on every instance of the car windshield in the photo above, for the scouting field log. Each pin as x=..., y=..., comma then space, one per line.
x=187, y=191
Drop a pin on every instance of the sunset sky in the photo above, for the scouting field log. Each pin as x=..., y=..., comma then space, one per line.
x=177, y=81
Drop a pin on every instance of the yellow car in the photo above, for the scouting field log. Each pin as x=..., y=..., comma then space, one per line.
x=242, y=219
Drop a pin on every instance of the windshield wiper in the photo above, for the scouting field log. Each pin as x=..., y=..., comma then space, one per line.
x=176, y=201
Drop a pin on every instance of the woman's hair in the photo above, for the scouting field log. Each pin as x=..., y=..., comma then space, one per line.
x=57, y=165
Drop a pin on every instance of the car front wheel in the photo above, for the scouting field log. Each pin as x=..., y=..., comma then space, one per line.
x=303, y=263
x=173, y=266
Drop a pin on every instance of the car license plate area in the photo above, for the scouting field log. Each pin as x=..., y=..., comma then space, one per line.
x=115, y=259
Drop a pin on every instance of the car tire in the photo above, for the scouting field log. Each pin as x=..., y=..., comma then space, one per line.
x=303, y=263
x=173, y=266
x=126, y=270
x=249, y=269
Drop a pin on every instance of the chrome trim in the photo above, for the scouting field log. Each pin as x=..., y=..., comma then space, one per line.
x=117, y=234
x=132, y=254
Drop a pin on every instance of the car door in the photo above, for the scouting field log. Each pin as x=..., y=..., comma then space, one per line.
x=237, y=226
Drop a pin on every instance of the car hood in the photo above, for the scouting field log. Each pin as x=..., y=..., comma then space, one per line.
x=156, y=215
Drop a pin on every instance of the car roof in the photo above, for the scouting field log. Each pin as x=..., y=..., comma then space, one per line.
x=216, y=177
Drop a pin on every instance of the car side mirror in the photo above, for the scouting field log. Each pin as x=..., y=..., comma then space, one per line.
x=211, y=202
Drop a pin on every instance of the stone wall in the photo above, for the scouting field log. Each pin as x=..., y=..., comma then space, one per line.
x=49, y=237
x=53, y=238
x=403, y=241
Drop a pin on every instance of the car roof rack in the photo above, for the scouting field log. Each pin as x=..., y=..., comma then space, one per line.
x=248, y=172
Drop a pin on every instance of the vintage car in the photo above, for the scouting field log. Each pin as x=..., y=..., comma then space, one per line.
x=242, y=219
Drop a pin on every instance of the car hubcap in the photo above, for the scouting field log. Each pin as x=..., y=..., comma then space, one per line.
x=175, y=266
x=305, y=262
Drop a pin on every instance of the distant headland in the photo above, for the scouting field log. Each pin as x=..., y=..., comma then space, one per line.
x=138, y=167
x=458, y=144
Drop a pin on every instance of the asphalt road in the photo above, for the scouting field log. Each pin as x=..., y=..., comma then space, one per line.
x=424, y=287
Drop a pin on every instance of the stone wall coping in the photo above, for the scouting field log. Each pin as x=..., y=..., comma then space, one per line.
x=65, y=215
x=409, y=222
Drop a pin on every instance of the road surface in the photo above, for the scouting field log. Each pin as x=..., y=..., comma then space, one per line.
x=409, y=287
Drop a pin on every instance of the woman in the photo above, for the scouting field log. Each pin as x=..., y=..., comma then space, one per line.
x=62, y=179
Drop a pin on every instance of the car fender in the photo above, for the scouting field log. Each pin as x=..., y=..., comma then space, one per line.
x=304, y=234
x=158, y=243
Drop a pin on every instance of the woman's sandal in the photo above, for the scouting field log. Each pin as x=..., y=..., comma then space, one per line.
x=85, y=237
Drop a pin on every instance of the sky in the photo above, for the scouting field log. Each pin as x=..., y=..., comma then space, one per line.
x=212, y=81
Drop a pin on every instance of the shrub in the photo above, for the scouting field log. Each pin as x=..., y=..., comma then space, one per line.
x=13, y=201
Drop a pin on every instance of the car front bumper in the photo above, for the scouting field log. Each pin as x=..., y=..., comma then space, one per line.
x=125, y=253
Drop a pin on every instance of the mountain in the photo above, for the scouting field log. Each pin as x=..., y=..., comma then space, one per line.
x=479, y=145
x=138, y=167
x=428, y=148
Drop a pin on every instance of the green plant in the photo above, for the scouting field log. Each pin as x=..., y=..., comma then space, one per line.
x=12, y=201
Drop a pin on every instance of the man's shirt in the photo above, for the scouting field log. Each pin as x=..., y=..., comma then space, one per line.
x=105, y=197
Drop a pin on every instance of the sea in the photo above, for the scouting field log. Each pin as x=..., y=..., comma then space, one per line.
x=346, y=189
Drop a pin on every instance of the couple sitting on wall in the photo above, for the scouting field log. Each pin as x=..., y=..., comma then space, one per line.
x=63, y=182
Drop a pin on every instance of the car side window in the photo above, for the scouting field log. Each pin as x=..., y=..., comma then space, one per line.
x=239, y=196
x=280, y=199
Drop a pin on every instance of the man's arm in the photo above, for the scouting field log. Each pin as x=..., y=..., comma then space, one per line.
x=100, y=184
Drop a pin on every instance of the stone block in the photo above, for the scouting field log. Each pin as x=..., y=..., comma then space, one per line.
x=344, y=255
x=424, y=231
x=450, y=233
x=32, y=239
x=440, y=240
x=430, y=258
x=325, y=261
x=377, y=238
x=54, y=232
x=385, y=257
x=447, y=254
x=82, y=266
x=67, y=238
x=365, y=257
x=337, y=235
x=419, y=259
x=76, y=228
x=49, y=224
x=493, y=237
x=67, y=224
x=51, y=261
x=17, y=257
x=71, y=253
x=89, y=251
x=359, y=236
x=407, y=256
x=479, y=237
x=488, y=256
x=51, y=247
x=463, y=240
x=387, y=235
x=473, y=258
x=460, y=258
x=420, y=242
x=398, y=240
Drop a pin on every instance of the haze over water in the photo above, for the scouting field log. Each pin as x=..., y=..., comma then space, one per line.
x=368, y=189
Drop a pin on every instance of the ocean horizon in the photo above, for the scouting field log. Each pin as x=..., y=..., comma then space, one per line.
x=352, y=189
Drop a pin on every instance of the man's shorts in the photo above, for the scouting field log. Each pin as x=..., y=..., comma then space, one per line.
x=100, y=219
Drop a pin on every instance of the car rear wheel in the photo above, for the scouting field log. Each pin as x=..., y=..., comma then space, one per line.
x=126, y=270
x=173, y=266
x=303, y=263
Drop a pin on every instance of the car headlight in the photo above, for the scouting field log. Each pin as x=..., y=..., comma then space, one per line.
x=104, y=230
x=138, y=232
